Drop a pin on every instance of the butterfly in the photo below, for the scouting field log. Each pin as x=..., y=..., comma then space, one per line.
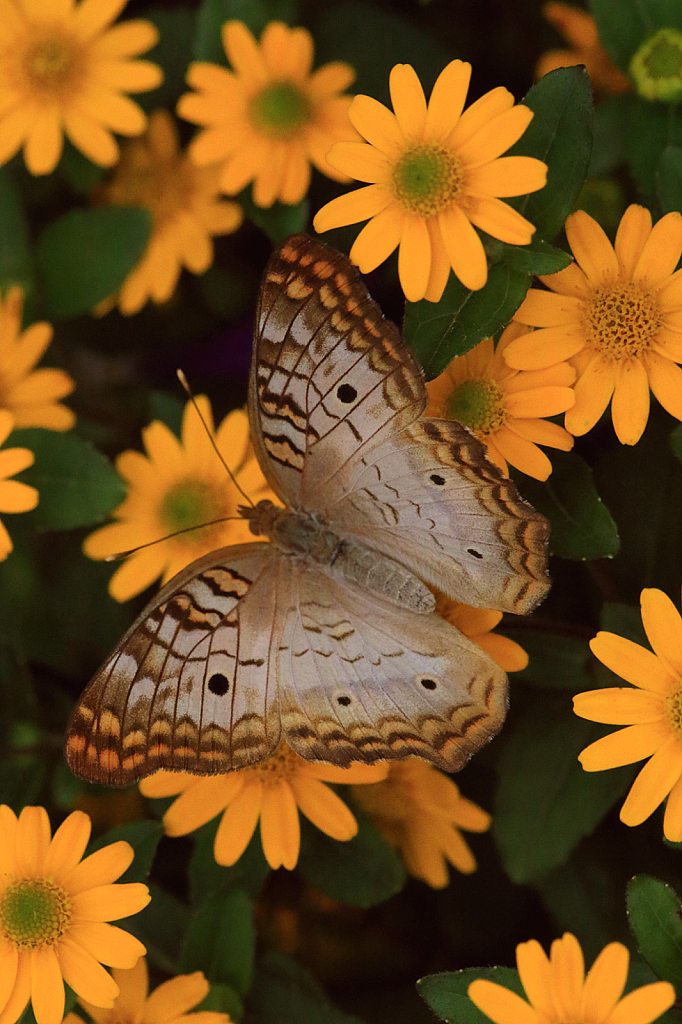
x=326, y=636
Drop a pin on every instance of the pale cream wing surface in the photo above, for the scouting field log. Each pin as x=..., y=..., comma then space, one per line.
x=363, y=680
x=330, y=376
x=429, y=497
x=190, y=686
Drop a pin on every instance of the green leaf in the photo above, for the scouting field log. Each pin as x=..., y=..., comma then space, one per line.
x=654, y=918
x=177, y=30
x=561, y=135
x=221, y=940
x=446, y=993
x=623, y=27
x=609, y=127
x=16, y=266
x=284, y=993
x=143, y=836
x=254, y=13
x=362, y=872
x=222, y=999
x=77, y=485
x=79, y=172
x=84, y=256
x=554, y=660
x=206, y=877
x=669, y=173
x=584, y=898
x=651, y=128
x=537, y=258
x=161, y=926
x=438, y=331
x=581, y=525
x=277, y=221
x=546, y=802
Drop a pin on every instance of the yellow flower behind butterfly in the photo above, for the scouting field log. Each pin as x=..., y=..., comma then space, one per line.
x=505, y=407
x=651, y=713
x=418, y=809
x=31, y=395
x=272, y=793
x=15, y=496
x=616, y=314
x=55, y=909
x=559, y=991
x=185, y=207
x=435, y=172
x=179, y=484
x=270, y=117
x=169, y=1003
x=64, y=70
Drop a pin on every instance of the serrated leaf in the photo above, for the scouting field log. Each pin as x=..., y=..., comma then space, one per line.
x=84, y=256
x=545, y=802
x=77, y=485
x=362, y=872
x=654, y=918
x=669, y=175
x=581, y=526
x=561, y=135
x=446, y=993
x=537, y=258
x=221, y=940
x=438, y=331
x=284, y=993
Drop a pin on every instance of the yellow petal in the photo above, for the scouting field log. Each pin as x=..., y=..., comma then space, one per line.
x=359, y=160
x=377, y=124
x=654, y=782
x=522, y=454
x=547, y=401
x=174, y=998
x=86, y=977
x=324, y=808
x=543, y=432
x=17, y=497
x=631, y=236
x=665, y=380
x=495, y=137
x=545, y=347
x=548, y=309
x=630, y=403
x=33, y=841
x=279, y=825
x=45, y=141
x=464, y=248
x=672, y=820
x=447, y=100
x=500, y=1004
x=591, y=248
x=47, y=987
x=663, y=627
x=536, y=975
x=632, y=662
x=352, y=207
x=593, y=393
x=110, y=902
x=507, y=653
x=661, y=253
x=68, y=844
x=377, y=240
x=619, y=706
x=414, y=258
x=644, y=1005
x=569, y=281
x=238, y=824
x=440, y=264
x=201, y=803
x=605, y=982
x=407, y=97
x=568, y=969
x=107, y=943
x=499, y=220
x=475, y=117
x=100, y=868
x=633, y=743
x=508, y=176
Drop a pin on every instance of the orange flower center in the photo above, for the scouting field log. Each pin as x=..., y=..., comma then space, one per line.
x=34, y=912
x=193, y=506
x=478, y=404
x=165, y=189
x=621, y=320
x=673, y=708
x=281, y=765
x=427, y=180
x=52, y=64
x=280, y=110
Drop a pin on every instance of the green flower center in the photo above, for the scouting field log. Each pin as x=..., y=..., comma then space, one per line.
x=427, y=180
x=621, y=320
x=280, y=110
x=673, y=707
x=194, y=505
x=52, y=65
x=478, y=404
x=34, y=913
x=657, y=66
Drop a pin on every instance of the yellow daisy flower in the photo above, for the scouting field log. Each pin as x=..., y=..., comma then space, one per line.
x=616, y=313
x=434, y=174
x=269, y=118
x=169, y=1003
x=420, y=811
x=579, y=29
x=558, y=990
x=478, y=624
x=14, y=495
x=652, y=712
x=54, y=909
x=272, y=792
x=179, y=484
x=31, y=395
x=64, y=70
x=185, y=208
x=504, y=408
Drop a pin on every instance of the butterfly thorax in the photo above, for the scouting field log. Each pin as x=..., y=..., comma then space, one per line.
x=299, y=533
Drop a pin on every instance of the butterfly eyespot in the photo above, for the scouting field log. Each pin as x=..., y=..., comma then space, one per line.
x=474, y=553
x=346, y=393
x=218, y=684
x=428, y=684
x=343, y=701
x=437, y=479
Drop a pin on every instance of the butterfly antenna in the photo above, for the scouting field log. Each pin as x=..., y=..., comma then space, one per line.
x=150, y=543
x=183, y=381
